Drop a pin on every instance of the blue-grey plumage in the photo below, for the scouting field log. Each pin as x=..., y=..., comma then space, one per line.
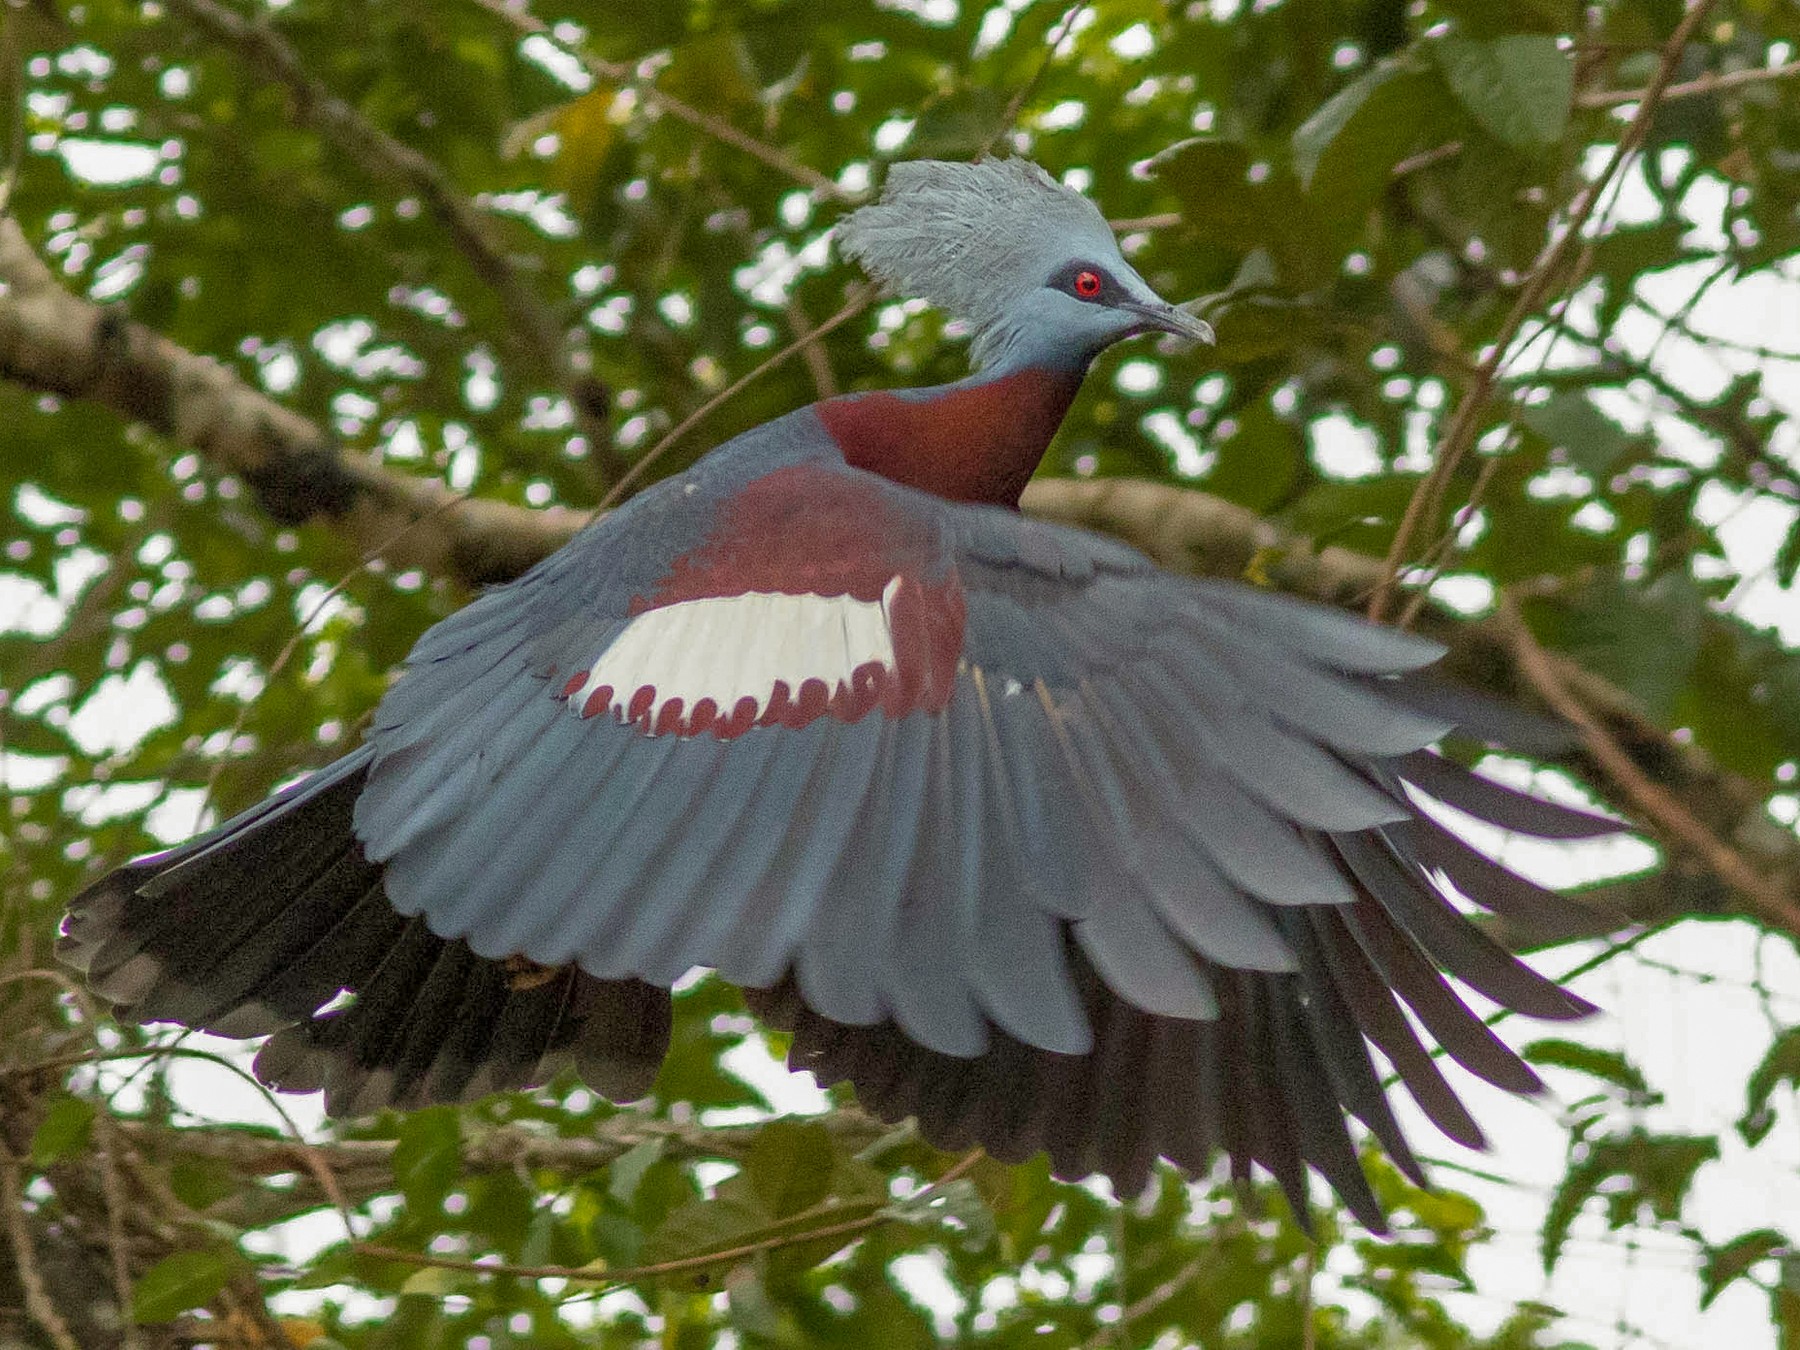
x=1017, y=833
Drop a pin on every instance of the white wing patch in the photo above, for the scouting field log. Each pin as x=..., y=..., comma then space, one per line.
x=721, y=663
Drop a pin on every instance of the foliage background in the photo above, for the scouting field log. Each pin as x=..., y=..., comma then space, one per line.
x=314, y=315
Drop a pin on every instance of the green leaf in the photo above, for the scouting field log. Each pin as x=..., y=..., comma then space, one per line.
x=1484, y=18
x=181, y=1282
x=63, y=1130
x=789, y=1165
x=1731, y=1261
x=1211, y=176
x=1635, y=1174
x=1331, y=119
x=1780, y=1065
x=958, y=1207
x=1517, y=87
x=626, y=1173
x=1646, y=639
x=1259, y=463
x=1609, y=1066
x=960, y=124
x=1594, y=442
x=428, y=1156
x=432, y=1282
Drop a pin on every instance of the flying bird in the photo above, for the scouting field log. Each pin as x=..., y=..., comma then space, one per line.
x=1015, y=832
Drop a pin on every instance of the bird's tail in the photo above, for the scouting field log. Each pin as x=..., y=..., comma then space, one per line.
x=264, y=925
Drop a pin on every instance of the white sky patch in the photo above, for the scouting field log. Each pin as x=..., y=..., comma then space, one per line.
x=27, y=607
x=923, y=1277
x=40, y=508
x=1140, y=377
x=464, y=459
x=481, y=386
x=1135, y=43
x=1465, y=593
x=121, y=710
x=94, y=804
x=557, y=62
x=754, y=1064
x=118, y=274
x=181, y=814
x=937, y=13
x=22, y=772
x=996, y=24
x=1342, y=448
x=770, y=279
x=1170, y=432
x=109, y=163
x=893, y=133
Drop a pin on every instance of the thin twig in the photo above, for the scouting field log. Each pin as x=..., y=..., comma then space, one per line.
x=622, y=75
x=286, y=654
x=1653, y=802
x=1154, y=1299
x=1162, y=220
x=1545, y=274
x=818, y=360
x=112, y=1186
x=39, y=1306
x=1016, y=104
x=858, y=301
x=533, y=322
x=1710, y=83
x=847, y=1228
x=1426, y=158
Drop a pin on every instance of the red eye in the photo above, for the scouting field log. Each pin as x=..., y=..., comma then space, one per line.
x=1087, y=284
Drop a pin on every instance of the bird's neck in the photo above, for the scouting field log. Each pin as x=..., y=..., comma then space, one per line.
x=978, y=440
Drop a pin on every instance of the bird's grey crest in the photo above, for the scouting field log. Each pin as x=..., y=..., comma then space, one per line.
x=973, y=238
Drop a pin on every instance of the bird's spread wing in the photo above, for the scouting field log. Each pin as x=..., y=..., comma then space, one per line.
x=1019, y=834
x=1016, y=833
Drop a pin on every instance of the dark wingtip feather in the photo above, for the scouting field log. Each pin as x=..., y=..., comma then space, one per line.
x=1508, y=808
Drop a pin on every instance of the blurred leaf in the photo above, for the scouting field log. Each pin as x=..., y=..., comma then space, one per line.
x=1635, y=1174
x=1780, y=1065
x=427, y=1156
x=789, y=1166
x=1645, y=639
x=1518, y=87
x=957, y=1207
x=1258, y=465
x=627, y=1170
x=64, y=1129
x=1314, y=137
x=960, y=125
x=1594, y=441
x=183, y=1281
x=1733, y=1260
x=1608, y=1066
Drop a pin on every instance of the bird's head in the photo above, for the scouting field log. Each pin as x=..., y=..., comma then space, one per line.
x=1029, y=264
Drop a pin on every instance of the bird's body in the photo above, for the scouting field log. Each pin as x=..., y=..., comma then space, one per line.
x=1017, y=833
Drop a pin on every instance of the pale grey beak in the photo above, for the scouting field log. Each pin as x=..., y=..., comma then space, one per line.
x=1166, y=318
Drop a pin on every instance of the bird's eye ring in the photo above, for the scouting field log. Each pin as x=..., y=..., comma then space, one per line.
x=1087, y=284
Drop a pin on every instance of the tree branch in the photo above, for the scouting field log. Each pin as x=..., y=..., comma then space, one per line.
x=361, y=1168
x=1653, y=802
x=1712, y=82
x=531, y=322
x=57, y=343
